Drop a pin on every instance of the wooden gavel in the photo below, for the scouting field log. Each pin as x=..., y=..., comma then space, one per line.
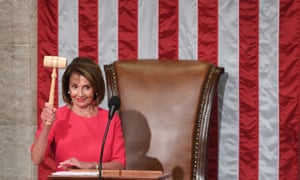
x=54, y=62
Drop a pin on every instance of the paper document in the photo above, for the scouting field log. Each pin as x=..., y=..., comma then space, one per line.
x=76, y=173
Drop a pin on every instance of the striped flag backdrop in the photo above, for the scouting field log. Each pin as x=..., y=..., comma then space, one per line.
x=256, y=130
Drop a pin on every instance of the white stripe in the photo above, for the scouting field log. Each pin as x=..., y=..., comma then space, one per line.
x=108, y=31
x=268, y=90
x=108, y=34
x=188, y=29
x=147, y=29
x=67, y=35
x=228, y=57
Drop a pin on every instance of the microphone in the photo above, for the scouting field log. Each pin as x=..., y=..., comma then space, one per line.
x=114, y=105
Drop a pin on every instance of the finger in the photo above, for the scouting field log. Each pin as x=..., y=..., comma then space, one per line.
x=65, y=167
x=48, y=122
x=47, y=104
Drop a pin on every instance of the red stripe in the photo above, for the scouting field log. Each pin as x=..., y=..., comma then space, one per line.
x=47, y=45
x=248, y=148
x=88, y=29
x=128, y=32
x=208, y=50
x=208, y=30
x=289, y=88
x=168, y=29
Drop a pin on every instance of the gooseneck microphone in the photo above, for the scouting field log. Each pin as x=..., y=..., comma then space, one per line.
x=113, y=105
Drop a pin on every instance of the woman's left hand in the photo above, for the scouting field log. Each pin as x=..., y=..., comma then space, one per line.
x=74, y=163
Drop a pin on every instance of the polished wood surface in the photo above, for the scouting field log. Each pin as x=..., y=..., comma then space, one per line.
x=109, y=174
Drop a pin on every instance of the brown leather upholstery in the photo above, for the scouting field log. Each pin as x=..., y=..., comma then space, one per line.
x=165, y=108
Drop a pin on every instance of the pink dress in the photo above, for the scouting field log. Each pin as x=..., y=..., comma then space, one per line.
x=81, y=137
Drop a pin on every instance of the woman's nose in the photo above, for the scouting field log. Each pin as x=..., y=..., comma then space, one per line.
x=81, y=94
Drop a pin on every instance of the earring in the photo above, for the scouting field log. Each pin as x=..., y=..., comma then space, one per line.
x=68, y=92
x=95, y=96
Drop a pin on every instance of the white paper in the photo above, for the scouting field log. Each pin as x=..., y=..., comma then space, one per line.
x=75, y=173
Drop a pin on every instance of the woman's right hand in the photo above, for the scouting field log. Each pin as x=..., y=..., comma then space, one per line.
x=48, y=114
x=39, y=147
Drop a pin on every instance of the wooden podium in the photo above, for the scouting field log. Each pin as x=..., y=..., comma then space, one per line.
x=109, y=175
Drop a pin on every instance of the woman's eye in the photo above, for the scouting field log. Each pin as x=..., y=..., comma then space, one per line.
x=73, y=86
x=87, y=87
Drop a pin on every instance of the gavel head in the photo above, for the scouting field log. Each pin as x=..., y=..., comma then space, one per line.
x=55, y=61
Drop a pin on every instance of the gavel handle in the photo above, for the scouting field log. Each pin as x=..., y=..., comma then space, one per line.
x=52, y=89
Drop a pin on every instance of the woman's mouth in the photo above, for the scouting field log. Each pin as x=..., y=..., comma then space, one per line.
x=80, y=99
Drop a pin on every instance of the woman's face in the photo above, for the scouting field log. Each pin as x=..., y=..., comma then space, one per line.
x=81, y=91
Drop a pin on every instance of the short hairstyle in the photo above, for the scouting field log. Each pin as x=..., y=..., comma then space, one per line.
x=91, y=71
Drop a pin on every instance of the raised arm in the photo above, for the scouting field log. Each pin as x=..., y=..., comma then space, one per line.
x=41, y=142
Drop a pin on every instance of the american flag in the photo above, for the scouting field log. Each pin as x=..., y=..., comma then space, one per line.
x=255, y=130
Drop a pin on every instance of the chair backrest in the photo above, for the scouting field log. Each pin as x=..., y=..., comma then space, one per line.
x=165, y=109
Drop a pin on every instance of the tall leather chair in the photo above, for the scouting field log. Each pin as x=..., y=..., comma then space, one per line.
x=166, y=107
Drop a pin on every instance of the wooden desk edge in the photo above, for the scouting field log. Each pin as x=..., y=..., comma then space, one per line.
x=114, y=174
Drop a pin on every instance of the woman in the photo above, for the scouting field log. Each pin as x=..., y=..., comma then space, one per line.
x=75, y=131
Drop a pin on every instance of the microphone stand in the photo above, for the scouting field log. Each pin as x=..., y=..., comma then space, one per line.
x=114, y=105
x=102, y=149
